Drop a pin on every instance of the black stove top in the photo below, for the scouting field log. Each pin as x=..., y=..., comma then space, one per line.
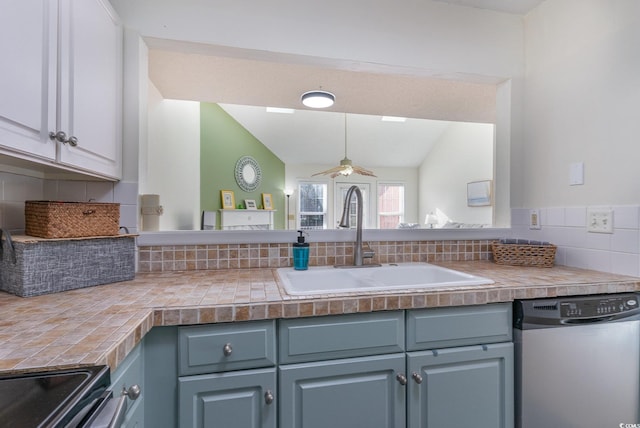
x=51, y=399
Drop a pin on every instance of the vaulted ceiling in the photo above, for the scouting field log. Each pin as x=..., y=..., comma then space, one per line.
x=246, y=82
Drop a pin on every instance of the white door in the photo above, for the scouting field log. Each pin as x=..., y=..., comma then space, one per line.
x=341, y=193
x=28, y=39
x=91, y=86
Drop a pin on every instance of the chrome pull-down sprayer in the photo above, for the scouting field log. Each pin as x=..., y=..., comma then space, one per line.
x=358, y=253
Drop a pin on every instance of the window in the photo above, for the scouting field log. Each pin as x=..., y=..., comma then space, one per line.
x=312, y=211
x=390, y=205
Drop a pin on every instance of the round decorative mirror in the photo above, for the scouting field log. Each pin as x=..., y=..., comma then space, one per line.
x=248, y=174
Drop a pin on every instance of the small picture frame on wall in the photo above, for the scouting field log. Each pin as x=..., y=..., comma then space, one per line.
x=228, y=199
x=250, y=204
x=267, y=202
x=479, y=193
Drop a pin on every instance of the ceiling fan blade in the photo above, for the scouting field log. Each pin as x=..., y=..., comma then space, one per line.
x=335, y=170
x=362, y=171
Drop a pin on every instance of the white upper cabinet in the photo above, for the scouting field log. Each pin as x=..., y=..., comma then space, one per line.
x=28, y=43
x=91, y=86
x=67, y=79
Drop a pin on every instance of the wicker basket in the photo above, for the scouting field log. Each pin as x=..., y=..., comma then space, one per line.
x=524, y=255
x=46, y=219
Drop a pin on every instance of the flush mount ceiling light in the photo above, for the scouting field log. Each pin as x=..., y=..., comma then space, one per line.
x=393, y=119
x=346, y=167
x=280, y=110
x=318, y=99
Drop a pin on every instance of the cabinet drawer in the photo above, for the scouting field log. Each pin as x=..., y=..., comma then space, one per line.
x=342, y=336
x=458, y=326
x=224, y=347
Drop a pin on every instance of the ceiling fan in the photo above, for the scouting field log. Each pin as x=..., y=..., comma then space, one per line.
x=346, y=166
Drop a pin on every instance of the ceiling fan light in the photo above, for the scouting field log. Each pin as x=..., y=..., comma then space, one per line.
x=347, y=171
x=318, y=99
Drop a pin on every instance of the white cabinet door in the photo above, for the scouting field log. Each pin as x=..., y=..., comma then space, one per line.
x=28, y=37
x=91, y=86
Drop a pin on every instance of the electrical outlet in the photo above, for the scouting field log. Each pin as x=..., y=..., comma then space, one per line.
x=534, y=219
x=599, y=221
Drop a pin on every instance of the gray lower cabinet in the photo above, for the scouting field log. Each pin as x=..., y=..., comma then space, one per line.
x=130, y=373
x=431, y=368
x=225, y=400
x=469, y=386
x=345, y=393
x=227, y=375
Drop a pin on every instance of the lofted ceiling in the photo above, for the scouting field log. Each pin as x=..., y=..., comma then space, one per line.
x=245, y=82
x=312, y=137
x=245, y=86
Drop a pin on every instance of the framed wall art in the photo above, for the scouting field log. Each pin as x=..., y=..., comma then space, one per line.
x=250, y=204
x=479, y=193
x=228, y=199
x=267, y=202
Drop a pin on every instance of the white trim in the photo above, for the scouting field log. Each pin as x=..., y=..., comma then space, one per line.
x=205, y=237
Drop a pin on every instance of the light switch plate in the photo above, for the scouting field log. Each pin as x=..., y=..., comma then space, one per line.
x=599, y=220
x=576, y=173
x=534, y=219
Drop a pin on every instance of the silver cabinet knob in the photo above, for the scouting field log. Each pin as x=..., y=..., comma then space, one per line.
x=72, y=141
x=402, y=379
x=416, y=377
x=61, y=137
x=268, y=397
x=227, y=349
x=133, y=392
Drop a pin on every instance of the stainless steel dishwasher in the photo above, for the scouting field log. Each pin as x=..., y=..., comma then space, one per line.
x=577, y=361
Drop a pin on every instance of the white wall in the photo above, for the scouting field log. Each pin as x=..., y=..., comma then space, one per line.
x=435, y=37
x=426, y=38
x=464, y=153
x=582, y=92
x=174, y=134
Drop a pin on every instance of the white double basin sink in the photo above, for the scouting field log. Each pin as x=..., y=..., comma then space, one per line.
x=409, y=276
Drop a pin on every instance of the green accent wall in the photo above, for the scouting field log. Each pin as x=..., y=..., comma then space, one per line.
x=222, y=142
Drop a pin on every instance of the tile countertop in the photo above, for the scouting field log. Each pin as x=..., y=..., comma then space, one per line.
x=102, y=324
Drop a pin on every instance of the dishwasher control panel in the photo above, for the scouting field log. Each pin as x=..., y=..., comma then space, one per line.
x=596, y=307
x=542, y=313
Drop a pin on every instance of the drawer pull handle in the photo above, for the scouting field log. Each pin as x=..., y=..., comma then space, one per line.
x=227, y=350
x=402, y=379
x=268, y=397
x=416, y=377
x=133, y=392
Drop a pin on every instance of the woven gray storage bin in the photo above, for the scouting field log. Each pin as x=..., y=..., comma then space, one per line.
x=42, y=266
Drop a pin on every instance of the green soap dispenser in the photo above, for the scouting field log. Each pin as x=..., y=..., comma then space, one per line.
x=300, y=253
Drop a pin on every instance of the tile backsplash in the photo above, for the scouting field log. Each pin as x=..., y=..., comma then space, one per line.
x=232, y=256
x=566, y=227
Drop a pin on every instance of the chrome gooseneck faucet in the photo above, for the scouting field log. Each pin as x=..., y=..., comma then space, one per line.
x=358, y=253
